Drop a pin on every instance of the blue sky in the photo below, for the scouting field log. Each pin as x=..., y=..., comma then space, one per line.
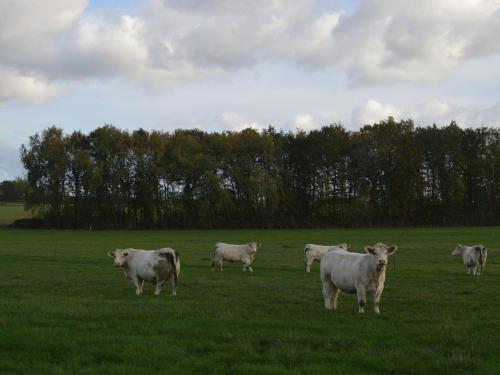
x=226, y=65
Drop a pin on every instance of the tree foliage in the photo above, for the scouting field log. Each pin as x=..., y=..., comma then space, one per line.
x=12, y=190
x=390, y=173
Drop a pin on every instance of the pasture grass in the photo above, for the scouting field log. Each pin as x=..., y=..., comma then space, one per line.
x=10, y=212
x=65, y=310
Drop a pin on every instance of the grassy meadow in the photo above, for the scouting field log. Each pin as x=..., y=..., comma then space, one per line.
x=10, y=212
x=65, y=310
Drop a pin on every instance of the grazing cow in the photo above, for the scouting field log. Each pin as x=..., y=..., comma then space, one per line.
x=155, y=266
x=474, y=257
x=355, y=273
x=234, y=253
x=314, y=252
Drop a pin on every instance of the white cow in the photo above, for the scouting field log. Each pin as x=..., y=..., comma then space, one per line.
x=234, y=253
x=155, y=266
x=355, y=273
x=474, y=257
x=314, y=252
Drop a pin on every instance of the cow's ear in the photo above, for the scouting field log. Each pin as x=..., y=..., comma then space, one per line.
x=111, y=254
x=369, y=249
x=392, y=249
x=347, y=246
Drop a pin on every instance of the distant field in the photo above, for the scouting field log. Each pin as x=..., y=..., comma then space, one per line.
x=10, y=212
x=65, y=310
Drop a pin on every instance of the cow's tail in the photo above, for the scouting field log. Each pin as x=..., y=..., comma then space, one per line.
x=481, y=251
x=177, y=262
x=212, y=265
x=306, y=249
x=173, y=260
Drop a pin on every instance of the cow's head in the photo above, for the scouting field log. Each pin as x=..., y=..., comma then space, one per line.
x=253, y=246
x=380, y=252
x=344, y=245
x=120, y=257
x=459, y=250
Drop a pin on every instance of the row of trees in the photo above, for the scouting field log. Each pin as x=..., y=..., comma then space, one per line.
x=12, y=190
x=391, y=173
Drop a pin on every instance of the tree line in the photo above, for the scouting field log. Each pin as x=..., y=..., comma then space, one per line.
x=12, y=190
x=390, y=173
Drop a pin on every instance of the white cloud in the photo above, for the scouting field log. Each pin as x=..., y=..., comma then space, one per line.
x=235, y=122
x=428, y=112
x=304, y=121
x=372, y=112
x=27, y=87
x=170, y=42
x=404, y=41
x=465, y=114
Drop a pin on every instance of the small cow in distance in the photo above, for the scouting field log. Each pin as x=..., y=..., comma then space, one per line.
x=155, y=266
x=355, y=273
x=314, y=252
x=474, y=257
x=234, y=253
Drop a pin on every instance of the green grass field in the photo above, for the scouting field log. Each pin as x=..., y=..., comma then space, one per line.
x=65, y=310
x=10, y=212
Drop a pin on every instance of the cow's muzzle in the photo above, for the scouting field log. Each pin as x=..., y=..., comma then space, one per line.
x=380, y=265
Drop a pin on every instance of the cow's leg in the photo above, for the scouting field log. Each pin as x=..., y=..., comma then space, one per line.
x=376, y=300
x=327, y=293
x=307, y=264
x=159, y=286
x=141, y=283
x=247, y=264
x=361, y=292
x=334, y=296
x=174, y=285
x=137, y=283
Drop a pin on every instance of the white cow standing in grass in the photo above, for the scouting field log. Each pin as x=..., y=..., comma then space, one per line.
x=155, y=266
x=314, y=252
x=355, y=273
x=234, y=253
x=474, y=257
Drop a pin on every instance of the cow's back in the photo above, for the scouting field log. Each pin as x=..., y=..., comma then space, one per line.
x=470, y=256
x=230, y=251
x=316, y=250
x=148, y=264
x=343, y=268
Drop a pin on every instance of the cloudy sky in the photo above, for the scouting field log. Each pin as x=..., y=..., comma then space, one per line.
x=229, y=64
